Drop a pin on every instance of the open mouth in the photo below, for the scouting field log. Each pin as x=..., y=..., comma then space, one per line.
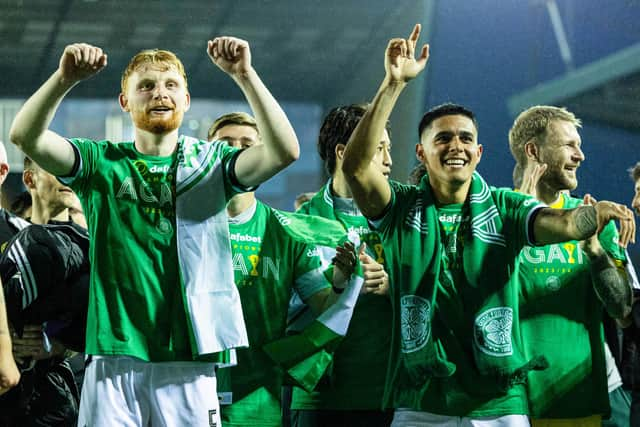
x=455, y=163
x=160, y=109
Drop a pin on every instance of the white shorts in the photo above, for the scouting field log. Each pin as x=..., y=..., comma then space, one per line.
x=411, y=418
x=126, y=391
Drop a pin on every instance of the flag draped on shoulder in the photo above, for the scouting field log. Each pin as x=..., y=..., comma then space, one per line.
x=306, y=356
x=203, y=234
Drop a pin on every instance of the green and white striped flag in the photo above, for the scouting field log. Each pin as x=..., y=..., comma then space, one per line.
x=306, y=356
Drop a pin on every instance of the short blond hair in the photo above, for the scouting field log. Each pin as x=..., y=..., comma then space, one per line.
x=532, y=124
x=238, y=118
x=155, y=57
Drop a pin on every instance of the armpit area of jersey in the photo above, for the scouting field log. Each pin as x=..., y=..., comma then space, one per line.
x=44, y=271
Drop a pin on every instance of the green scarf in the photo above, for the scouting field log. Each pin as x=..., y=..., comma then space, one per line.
x=321, y=204
x=491, y=303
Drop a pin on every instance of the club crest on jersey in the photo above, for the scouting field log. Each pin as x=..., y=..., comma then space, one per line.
x=553, y=283
x=415, y=320
x=492, y=332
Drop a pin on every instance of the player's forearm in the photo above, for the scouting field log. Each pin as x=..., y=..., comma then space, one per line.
x=367, y=135
x=275, y=129
x=4, y=322
x=561, y=225
x=611, y=286
x=35, y=116
x=5, y=335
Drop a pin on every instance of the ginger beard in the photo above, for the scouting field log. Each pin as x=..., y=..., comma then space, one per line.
x=158, y=124
x=156, y=98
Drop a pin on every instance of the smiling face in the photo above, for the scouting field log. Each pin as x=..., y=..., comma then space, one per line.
x=449, y=150
x=156, y=96
x=561, y=151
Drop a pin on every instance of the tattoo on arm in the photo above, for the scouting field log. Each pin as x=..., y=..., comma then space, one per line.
x=586, y=221
x=611, y=286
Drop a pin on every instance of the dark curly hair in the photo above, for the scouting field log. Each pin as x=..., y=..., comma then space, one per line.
x=337, y=127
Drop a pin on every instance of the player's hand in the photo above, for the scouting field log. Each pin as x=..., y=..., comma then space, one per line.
x=344, y=263
x=400, y=63
x=606, y=211
x=80, y=61
x=9, y=373
x=376, y=280
x=531, y=177
x=591, y=246
x=230, y=54
x=31, y=346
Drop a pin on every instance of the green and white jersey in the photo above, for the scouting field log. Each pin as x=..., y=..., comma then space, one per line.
x=135, y=300
x=357, y=377
x=456, y=341
x=268, y=264
x=561, y=319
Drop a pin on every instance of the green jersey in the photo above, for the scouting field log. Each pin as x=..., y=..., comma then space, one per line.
x=136, y=306
x=267, y=264
x=561, y=318
x=357, y=377
x=456, y=346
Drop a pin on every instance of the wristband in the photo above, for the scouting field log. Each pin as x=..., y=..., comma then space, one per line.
x=337, y=290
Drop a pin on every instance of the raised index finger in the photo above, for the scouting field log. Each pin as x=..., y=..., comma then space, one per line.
x=415, y=34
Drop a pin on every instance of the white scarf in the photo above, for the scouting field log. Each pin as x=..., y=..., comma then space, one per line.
x=204, y=252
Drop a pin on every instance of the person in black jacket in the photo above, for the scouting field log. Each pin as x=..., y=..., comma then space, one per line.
x=9, y=226
x=45, y=272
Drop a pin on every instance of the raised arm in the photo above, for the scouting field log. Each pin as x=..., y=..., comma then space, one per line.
x=258, y=163
x=369, y=186
x=30, y=128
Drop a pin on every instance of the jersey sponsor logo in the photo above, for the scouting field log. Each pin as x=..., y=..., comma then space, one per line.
x=492, y=332
x=281, y=218
x=360, y=230
x=237, y=237
x=151, y=188
x=144, y=169
x=415, y=322
x=453, y=218
x=159, y=169
x=315, y=252
x=563, y=253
